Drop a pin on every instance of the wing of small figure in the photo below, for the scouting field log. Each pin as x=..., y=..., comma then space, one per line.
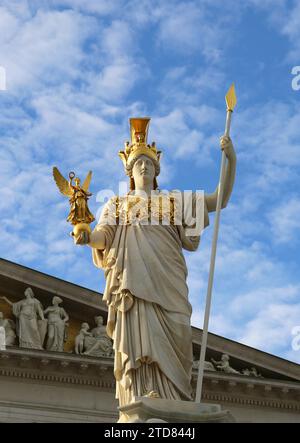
x=87, y=182
x=62, y=184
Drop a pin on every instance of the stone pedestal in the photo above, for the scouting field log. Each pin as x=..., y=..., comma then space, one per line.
x=155, y=410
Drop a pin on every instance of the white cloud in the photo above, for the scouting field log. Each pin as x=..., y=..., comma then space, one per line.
x=284, y=16
x=8, y=25
x=257, y=300
x=175, y=134
x=116, y=80
x=181, y=28
x=193, y=27
x=45, y=49
x=254, y=290
x=285, y=221
x=22, y=10
x=195, y=87
x=272, y=329
x=101, y=7
x=262, y=318
x=118, y=40
x=273, y=134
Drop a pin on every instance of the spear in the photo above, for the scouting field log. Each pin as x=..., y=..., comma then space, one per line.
x=230, y=102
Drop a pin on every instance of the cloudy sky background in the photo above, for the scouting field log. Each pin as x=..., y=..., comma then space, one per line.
x=76, y=71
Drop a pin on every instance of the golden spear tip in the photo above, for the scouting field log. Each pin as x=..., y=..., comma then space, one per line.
x=230, y=98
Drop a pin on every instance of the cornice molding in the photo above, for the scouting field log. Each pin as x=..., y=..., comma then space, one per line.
x=76, y=414
x=257, y=402
x=51, y=367
x=56, y=378
x=57, y=367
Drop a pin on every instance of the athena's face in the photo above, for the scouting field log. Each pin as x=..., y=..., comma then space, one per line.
x=143, y=170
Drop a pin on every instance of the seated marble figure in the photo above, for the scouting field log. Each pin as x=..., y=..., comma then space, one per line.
x=95, y=343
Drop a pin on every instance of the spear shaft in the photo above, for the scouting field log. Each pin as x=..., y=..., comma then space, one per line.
x=231, y=102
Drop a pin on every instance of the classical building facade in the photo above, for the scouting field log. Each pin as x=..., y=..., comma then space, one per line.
x=70, y=377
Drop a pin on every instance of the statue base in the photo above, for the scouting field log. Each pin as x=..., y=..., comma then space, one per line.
x=157, y=410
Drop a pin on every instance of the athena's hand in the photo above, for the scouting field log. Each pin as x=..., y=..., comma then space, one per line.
x=82, y=239
x=226, y=145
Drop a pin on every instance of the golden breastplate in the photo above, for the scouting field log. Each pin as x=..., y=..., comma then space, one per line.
x=158, y=209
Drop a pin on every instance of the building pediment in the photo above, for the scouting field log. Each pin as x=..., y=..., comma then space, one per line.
x=270, y=390
x=84, y=305
x=243, y=357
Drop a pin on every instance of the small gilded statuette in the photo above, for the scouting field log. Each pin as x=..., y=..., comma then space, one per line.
x=80, y=216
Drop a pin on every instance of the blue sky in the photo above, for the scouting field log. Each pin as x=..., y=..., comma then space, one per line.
x=76, y=71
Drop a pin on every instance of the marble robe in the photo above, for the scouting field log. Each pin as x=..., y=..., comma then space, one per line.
x=27, y=312
x=148, y=307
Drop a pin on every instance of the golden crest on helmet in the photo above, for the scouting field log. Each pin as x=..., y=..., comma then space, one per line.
x=138, y=142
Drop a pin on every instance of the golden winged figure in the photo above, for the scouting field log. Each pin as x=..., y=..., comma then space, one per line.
x=80, y=216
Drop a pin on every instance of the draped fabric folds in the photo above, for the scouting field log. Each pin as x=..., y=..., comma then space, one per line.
x=148, y=308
